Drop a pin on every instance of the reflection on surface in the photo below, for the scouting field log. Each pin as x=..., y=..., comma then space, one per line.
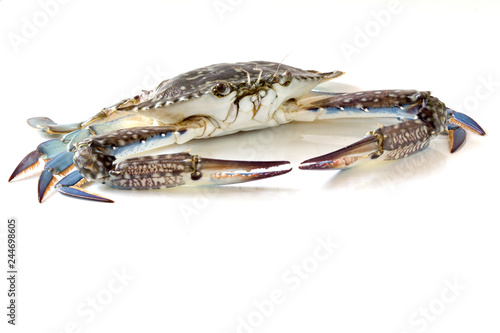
x=390, y=174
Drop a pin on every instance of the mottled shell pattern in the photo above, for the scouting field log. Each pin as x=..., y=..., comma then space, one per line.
x=221, y=80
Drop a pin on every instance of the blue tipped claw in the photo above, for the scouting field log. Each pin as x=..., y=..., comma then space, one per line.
x=59, y=161
x=30, y=162
x=465, y=122
x=59, y=165
x=70, y=185
x=400, y=140
x=46, y=150
x=457, y=136
x=457, y=126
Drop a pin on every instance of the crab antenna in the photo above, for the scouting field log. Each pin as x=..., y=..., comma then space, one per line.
x=260, y=74
x=248, y=74
x=282, y=60
x=277, y=69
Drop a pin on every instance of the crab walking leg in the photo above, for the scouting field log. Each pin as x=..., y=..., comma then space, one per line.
x=125, y=122
x=49, y=126
x=425, y=116
x=60, y=155
x=95, y=155
x=71, y=186
x=58, y=161
x=51, y=148
x=61, y=165
x=57, y=153
x=45, y=151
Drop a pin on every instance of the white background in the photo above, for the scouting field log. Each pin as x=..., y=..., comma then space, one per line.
x=199, y=260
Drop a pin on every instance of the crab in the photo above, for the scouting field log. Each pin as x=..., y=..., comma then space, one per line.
x=222, y=99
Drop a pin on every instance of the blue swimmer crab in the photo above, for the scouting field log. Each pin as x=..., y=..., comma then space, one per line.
x=219, y=100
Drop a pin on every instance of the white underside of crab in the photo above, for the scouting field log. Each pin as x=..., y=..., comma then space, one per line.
x=266, y=108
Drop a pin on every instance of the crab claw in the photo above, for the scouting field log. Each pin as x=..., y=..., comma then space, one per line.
x=457, y=126
x=392, y=142
x=165, y=171
x=222, y=172
x=346, y=157
x=456, y=137
x=465, y=122
x=184, y=169
x=403, y=139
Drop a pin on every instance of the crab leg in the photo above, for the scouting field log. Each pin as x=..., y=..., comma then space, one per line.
x=172, y=170
x=129, y=141
x=61, y=165
x=45, y=151
x=96, y=159
x=403, y=104
x=70, y=185
x=49, y=149
x=110, y=144
x=125, y=122
x=49, y=126
x=95, y=154
x=425, y=116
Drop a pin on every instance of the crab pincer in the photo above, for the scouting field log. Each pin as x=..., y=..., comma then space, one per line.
x=171, y=170
x=403, y=139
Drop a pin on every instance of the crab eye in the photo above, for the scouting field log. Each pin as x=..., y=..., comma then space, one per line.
x=221, y=89
x=284, y=78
